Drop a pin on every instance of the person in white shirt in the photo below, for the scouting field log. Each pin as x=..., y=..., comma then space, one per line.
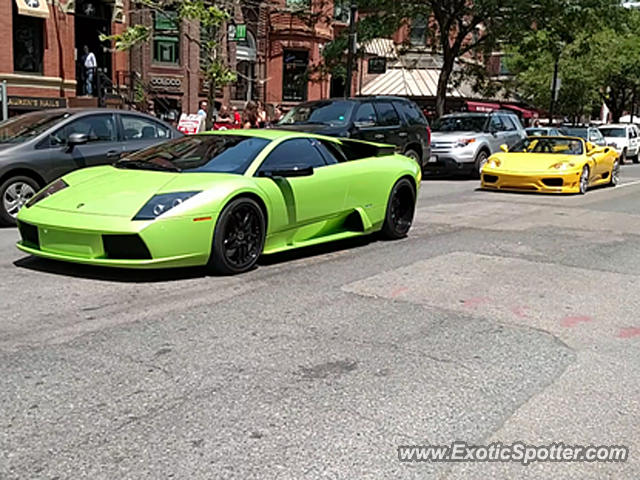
x=90, y=65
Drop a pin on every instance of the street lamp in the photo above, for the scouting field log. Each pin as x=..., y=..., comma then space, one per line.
x=353, y=11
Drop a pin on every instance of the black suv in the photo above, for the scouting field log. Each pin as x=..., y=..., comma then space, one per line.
x=393, y=120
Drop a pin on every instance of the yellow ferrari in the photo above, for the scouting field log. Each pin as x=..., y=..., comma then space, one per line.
x=551, y=165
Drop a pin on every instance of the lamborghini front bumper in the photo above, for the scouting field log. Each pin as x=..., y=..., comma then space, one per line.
x=115, y=241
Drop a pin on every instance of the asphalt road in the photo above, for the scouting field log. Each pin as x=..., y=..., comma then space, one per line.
x=502, y=317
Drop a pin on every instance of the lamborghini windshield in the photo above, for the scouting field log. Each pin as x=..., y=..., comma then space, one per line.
x=198, y=153
x=549, y=145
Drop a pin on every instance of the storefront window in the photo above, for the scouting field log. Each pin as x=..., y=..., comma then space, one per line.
x=294, y=77
x=418, y=35
x=166, y=38
x=28, y=33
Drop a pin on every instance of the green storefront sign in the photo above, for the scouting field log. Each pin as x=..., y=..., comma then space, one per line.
x=237, y=33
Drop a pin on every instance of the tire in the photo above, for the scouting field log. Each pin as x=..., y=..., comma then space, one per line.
x=400, y=210
x=14, y=193
x=614, y=175
x=412, y=154
x=635, y=158
x=241, y=224
x=481, y=160
x=623, y=157
x=584, y=180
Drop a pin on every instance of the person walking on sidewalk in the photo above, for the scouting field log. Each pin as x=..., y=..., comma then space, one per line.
x=90, y=65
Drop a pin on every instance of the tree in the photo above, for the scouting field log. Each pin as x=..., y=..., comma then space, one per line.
x=211, y=15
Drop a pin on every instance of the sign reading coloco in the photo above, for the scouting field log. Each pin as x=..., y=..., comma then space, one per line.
x=35, y=103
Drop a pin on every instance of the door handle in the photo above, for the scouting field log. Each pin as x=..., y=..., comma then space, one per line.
x=378, y=136
x=113, y=154
x=403, y=134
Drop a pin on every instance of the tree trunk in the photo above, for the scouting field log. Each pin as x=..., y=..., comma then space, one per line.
x=443, y=82
x=211, y=100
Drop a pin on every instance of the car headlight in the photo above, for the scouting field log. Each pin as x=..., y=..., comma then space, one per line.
x=463, y=142
x=563, y=165
x=493, y=163
x=47, y=192
x=162, y=203
x=612, y=144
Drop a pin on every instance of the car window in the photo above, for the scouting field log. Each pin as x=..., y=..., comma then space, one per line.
x=332, y=152
x=325, y=112
x=140, y=128
x=296, y=153
x=366, y=114
x=509, y=125
x=412, y=113
x=632, y=133
x=595, y=135
x=496, y=124
x=387, y=115
x=98, y=128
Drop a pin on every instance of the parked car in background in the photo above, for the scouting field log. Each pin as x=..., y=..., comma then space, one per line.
x=39, y=147
x=462, y=142
x=543, y=132
x=590, y=133
x=392, y=120
x=624, y=138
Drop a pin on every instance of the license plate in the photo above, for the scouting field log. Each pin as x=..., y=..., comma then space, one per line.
x=433, y=159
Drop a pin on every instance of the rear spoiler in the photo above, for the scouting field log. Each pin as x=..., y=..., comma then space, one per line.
x=368, y=149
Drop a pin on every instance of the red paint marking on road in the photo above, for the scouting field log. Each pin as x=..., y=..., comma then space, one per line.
x=475, y=302
x=569, y=322
x=398, y=291
x=520, y=312
x=629, y=332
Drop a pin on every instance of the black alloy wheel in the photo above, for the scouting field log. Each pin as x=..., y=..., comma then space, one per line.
x=239, y=237
x=400, y=210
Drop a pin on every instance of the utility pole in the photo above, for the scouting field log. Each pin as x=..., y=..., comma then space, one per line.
x=554, y=89
x=352, y=48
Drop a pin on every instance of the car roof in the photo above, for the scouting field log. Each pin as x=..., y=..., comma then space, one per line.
x=617, y=125
x=268, y=134
x=360, y=99
x=89, y=111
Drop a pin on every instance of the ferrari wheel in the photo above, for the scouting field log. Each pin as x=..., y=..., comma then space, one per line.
x=584, y=180
x=615, y=174
x=238, y=238
x=400, y=209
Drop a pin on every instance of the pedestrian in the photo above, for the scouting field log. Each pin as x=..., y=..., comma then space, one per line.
x=90, y=66
x=237, y=119
x=250, y=118
x=203, y=108
x=263, y=118
x=277, y=114
x=224, y=116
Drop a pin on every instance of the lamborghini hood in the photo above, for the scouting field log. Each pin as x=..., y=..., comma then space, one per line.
x=532, y=162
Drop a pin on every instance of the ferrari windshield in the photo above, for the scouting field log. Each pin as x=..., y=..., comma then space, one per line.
x=613, y=132
x=330, y=112
x=458, y=123
x=25, y=127
x=549, y=145
x=198, y=153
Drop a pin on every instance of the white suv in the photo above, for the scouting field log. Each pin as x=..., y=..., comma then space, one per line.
x=624, y=138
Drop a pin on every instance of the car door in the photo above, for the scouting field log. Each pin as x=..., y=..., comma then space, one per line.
x=390, y=124
x=511, y=132
x=365, y=124
x=140, y=132
x=102, y=147
x=498, y=134
x=304, y=200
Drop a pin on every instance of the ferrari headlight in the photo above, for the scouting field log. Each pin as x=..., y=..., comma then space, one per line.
x=563, y=165
x=494, y=163
x=162, y=203
x=47, y=192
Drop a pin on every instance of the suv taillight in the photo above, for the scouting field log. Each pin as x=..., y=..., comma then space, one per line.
x=428, y=134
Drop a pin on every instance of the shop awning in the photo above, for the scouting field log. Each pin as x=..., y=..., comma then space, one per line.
x=411, y=82
x=482, y=106
x=33, y=8
x=524, y=112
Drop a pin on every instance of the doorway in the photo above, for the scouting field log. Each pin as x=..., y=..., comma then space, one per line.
x=93, y=18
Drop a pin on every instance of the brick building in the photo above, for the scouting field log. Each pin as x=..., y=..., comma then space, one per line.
x=44, y=41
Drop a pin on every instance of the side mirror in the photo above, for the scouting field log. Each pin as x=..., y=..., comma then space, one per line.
x=77, y=139
x=288, y=172
x=504, y=148
x=367, y=124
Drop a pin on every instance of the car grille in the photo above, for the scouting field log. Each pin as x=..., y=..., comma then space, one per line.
x=125, y=247
x=490, y=178
x=442, y=145
x=552, y=182
x=29, y=234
